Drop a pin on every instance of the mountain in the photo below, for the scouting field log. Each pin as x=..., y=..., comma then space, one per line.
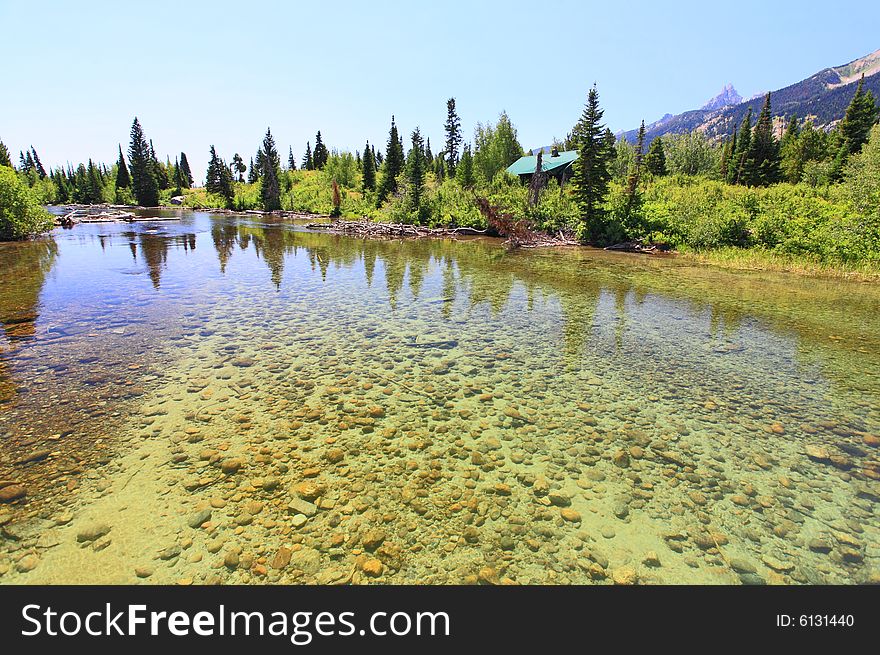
x=823, y=97
x=726, y=98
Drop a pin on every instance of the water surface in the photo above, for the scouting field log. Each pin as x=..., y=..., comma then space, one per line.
x=233, y=399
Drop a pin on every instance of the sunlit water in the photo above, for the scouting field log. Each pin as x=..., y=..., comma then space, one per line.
x=232, y=399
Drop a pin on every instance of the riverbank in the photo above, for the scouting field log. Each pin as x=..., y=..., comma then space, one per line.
x=739, y=259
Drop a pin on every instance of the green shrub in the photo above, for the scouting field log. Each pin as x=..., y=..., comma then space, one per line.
x=21, y=214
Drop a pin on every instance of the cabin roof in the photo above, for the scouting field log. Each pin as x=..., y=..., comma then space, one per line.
x=526, y=165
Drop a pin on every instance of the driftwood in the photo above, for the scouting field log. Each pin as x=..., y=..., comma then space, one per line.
x=370, y=229
x=92, y=216
x=633, y=246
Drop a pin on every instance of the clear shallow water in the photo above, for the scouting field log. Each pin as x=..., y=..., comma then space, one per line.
x=229, y=399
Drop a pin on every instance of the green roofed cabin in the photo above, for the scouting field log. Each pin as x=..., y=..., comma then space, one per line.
x=555, y=163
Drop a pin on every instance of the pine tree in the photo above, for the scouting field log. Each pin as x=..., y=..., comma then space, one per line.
x=861, y=114
x=93, y=191
x=376, y=155
x=291, y=162
x=143, y=177
x=159, y=171
x=4, y=155
x=123, y=179
x=178, y=178
x=238, y=166
x=762, y=158
x=270, y=189
x=393, y=164
x=790, y=165
x=186, y=173
x=368, y=169
x=219, y=178
x=655, y=160
x=429, y=157
x=308, y=160
x=633, y=199
x=253, y=174
x=591, y=172
x=320, y=154
x=415, y=177
x=464, y=175
x=742, y=148
x=453, y=136
x=38, y=165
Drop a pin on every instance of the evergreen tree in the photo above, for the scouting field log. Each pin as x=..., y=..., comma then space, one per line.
x=143, y=177
x=38, y=165
x=238, y=166
x=393, y=164
x=219, y=178
x=308, y=160
x=861, y=114
x=368, y=169
x=185, y=172
x=93, y=191
x=655, y=160
x=253, y=174
x=591, y=172
x=742, y=148
x=464, y=175
x=762, y=158
x=178, y=178
x=633, y=199
x=123, y=179
x=376, y=155
x=453, y=136
x=159, y=171
x=791, y=168
x=291, y=162
x=415, y=177
x=320, y=154
x=4, y=155
x=429, y=157
x=270, y=189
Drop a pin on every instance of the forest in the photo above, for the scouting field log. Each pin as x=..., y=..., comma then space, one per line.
x=777, y=187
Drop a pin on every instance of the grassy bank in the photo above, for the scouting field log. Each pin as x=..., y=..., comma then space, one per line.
x=761, y=260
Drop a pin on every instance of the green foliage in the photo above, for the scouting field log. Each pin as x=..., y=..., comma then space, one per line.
x=269, y=165
x=320, y=154
x=860, y=116
x=761, y=165
x=591, y=170
x=21, y=215
x=368, y=169
x=343, y=168
x=464, y=174
x=453, y=136
x=218, y=179
x=123, y=179
x=862, y=181
x=4, y=156
x=690, y=154
x=143, y=173
x=496, y=148
x=392, y=166
x=655, y=160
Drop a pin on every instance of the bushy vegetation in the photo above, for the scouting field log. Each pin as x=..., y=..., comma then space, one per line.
x=811, y=194
x=21, y=214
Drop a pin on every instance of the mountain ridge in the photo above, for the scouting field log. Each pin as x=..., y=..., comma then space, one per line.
x=822, y=97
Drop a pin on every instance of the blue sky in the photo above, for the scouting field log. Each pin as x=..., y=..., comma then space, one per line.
x=202, y=73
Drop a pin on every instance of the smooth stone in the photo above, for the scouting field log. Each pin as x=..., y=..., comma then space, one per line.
x=197, y=519
x=12, y=492
x=92, y=532
x=300, y=506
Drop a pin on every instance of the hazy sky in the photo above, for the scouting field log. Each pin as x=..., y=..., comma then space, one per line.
x=202, y=73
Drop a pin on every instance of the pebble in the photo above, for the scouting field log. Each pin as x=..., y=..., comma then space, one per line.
x=570, y=515
x=373, y=539
x=143, y=571
x=624, y=575
x=230, y=466
x=12, y=492
x=300, y=506
x=299, y=520
x=27, y=563
x=196, y=520
x=92, y=532
x=373, y=568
